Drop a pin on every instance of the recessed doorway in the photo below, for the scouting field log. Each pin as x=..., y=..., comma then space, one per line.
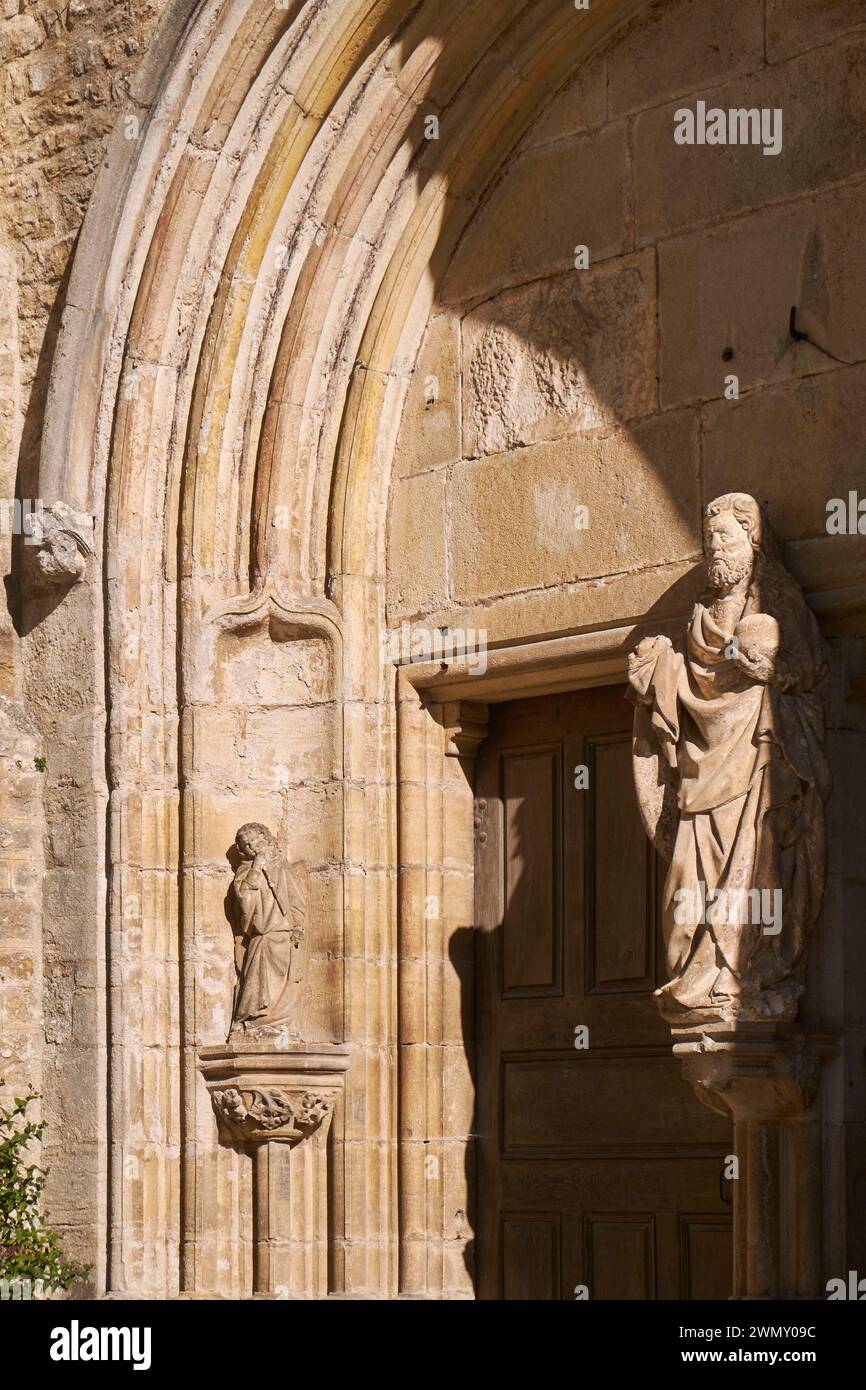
x=596, y=1165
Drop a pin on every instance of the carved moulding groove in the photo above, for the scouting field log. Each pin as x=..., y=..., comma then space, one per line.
x=306, y=616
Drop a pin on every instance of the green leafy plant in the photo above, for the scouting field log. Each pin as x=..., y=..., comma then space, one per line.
x=29, y=1249
x=40, y=763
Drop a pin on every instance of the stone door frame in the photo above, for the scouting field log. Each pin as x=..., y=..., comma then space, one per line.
x=441, y=722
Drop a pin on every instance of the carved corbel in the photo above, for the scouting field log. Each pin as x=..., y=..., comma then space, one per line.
x=466, y=725
x=63, y=541
x=764, y=1073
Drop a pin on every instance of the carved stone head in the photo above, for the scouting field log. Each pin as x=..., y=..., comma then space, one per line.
x=254, y=838
x=64, y=541
x=734, y=532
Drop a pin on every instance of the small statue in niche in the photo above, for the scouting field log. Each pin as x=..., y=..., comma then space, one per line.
x=270, y=897
x=731, y=778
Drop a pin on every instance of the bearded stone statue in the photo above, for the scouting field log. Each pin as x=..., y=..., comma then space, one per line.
x=731, y=778
x=271, y=899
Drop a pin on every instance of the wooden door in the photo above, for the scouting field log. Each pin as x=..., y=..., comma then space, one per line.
x=597, y=1166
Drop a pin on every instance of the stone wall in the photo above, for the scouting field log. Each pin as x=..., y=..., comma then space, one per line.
x=604, y=387
x=66, y=75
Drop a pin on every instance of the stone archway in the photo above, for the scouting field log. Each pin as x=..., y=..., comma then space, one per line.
x=246, y=302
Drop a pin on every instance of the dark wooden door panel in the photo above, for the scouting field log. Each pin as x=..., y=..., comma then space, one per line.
x=596, y=1164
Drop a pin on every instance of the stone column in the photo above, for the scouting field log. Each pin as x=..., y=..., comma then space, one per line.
x=280, y=1106
x=765, y=1077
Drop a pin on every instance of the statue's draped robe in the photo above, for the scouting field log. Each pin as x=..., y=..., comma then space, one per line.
x=271, y=927
x=746, y=765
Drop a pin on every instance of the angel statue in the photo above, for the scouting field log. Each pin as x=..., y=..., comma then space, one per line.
x=271, y=902
x=731, y=778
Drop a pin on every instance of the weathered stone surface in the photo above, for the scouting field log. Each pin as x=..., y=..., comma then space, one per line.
x=793, y=26
x=571, y=354
x=416, y=553
x=430, y=427
x=10, y=432
x=679, y=186
x=532, y=222
x=803, y=440
x=514, y=523
x=578, y=106
x=678, y=47
x=726, y=295
x=603, y=602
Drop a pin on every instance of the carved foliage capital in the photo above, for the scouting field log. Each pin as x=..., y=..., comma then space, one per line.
x=263, y=1113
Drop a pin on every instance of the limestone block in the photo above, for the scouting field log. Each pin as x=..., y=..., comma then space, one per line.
x=458, y=1263
x=314, y=818
x=514, y=522
x=17, y=917
x=674, y=48
x=323, y=1010
x=353, y=909
x=457, y=816
x=574, y=353
x=16, y=1003
x=74, y=757
x=796, y=25
x=416, y=545
x=252, y=668
x=64, y=923
x=214, y=936
x=536, y=216
x=360, y=806
x=725, y=297
x=455, y=1184
x=458, y=1092
x=680, y=186
x=430, y=426
x=72, y=1167
x=803, y=441
x=217, y=733
x=285, y=746
x=827, y=562
x=457, y=913
x=149, y=827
